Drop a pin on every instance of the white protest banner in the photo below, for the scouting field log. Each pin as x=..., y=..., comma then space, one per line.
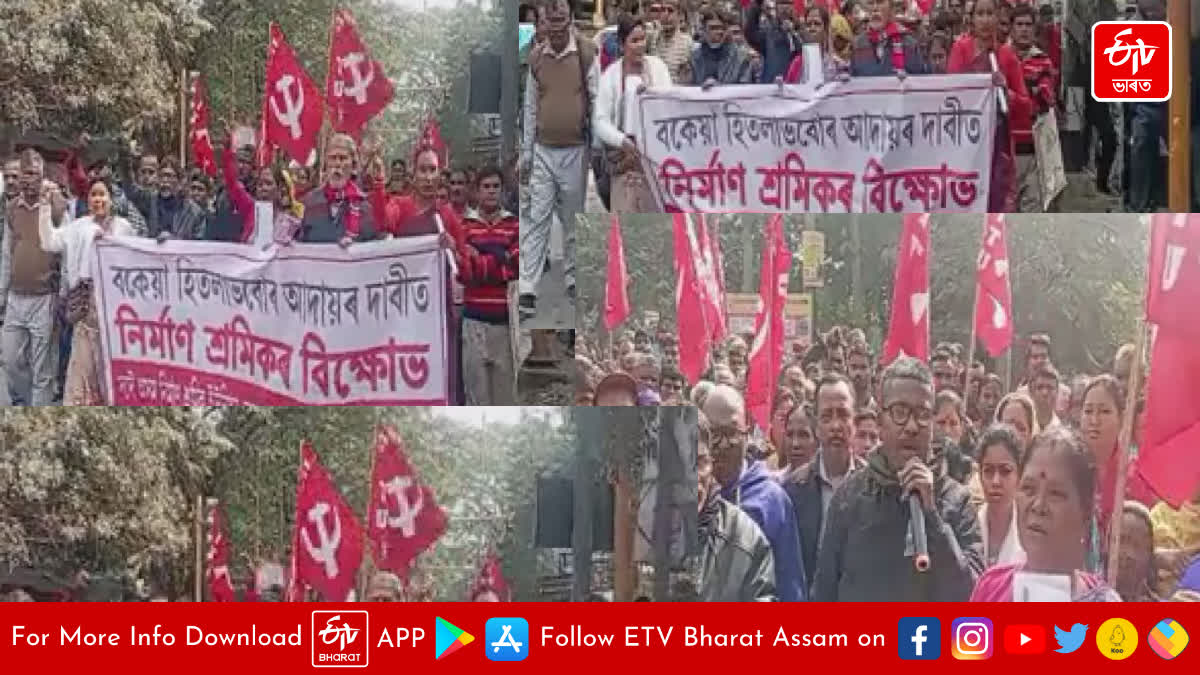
x=872, y=145
x=204, y=323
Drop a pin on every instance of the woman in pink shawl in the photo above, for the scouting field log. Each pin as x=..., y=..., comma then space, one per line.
x=971, y=53
x=1055, y=500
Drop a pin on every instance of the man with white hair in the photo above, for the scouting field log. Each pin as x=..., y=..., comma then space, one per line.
x=337, y=211
x=747, y=484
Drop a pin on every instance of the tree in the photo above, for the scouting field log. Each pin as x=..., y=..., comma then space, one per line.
x=112, y=490
x=72, y=66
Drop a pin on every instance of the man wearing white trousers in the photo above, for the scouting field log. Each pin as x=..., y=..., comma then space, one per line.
x=559, y=91
x=29, y=280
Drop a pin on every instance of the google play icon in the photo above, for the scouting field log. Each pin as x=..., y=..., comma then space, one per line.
x=450, y=638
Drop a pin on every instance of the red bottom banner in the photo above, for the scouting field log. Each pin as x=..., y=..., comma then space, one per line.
x=567, y=637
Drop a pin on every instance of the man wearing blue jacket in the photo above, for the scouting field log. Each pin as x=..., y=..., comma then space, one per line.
x=747, y=484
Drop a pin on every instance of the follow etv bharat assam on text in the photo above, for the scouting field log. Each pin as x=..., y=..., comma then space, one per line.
x=699, y=636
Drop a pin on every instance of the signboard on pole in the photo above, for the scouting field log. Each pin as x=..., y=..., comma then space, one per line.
x=797, y=315
x=812, y=245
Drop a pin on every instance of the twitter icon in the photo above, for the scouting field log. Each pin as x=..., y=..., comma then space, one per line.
x=1070, y=640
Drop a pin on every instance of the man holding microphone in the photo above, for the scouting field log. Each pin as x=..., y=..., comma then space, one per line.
x=871, y=543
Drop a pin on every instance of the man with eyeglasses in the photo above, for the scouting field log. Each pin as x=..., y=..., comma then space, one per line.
x=736, y=563
x=716, y=60
x=747, y=484
x=674, y=46
x=766, y=33
x=866, y=552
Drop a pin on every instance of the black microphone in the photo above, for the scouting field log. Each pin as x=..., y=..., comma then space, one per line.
x=916, y=515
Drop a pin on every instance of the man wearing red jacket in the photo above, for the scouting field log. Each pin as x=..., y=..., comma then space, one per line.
x=487, y=251
x=1041, y=79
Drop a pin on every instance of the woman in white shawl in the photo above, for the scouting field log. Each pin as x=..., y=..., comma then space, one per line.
x=612, y=118
x=74, y=241
x=1000, y=455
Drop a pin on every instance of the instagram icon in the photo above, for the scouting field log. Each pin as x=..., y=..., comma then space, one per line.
x=972, y=639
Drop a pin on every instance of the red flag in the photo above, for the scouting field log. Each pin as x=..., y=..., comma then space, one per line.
x=356, y=88
x=993, y=298
x=490, y=585
x=327, y=539
x=712, y=278
x=292, y=106
x=220, y=585
x=908, y=329
x=202, y=150
x=766, y=352
x=694, y=335
x=1167, y=459
x=431, y=137
x=404, y=517
x=616, y=294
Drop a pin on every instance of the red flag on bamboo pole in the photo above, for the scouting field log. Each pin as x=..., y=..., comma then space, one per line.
x=202, y=150
x=292, y=106
x=1168, y=460
x=327, y=538
x=766, y=352
x=690, y=303
x=616, y=292
x=908, y=329
x=993, y=297
x=220, y=584
x=404, y=517
x=356, y=88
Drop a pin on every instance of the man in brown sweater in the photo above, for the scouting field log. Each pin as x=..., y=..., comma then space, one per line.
x=559, y=91
x=29, y=285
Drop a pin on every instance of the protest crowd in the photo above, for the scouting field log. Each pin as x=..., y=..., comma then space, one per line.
x=295, y=181
x=580, y=117
x=812, y=462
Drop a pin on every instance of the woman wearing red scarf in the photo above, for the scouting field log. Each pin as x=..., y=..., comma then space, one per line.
x=971, y=53
x=885, y=48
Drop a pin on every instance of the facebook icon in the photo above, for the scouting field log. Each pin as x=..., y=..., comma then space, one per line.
x=920, y=638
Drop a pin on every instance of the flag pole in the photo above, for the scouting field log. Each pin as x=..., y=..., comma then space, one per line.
x=326, y=132
x=183, y=78
x=1127, y=422
x=974, y=319
x=364, y=568
x=199, y=586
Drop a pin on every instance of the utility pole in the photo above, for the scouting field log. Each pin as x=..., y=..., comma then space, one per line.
x=1179, y=14
x=508, y=81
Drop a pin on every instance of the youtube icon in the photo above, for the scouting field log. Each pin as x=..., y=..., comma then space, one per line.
x=1025, y=639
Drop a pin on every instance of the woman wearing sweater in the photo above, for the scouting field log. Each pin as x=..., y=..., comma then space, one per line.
x=630, y=190
x=74, y=242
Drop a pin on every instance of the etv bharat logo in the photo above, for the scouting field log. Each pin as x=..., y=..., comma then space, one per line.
x=1132, y=61
x=340, y=639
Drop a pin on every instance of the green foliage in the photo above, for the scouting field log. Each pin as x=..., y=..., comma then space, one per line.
x=112, y=490
x=1077, y=277
x=92, y=64
x=114, y=68
x=425, y=53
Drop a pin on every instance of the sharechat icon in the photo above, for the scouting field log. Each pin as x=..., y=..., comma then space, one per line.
x=1168, y=639
x=1070, y=640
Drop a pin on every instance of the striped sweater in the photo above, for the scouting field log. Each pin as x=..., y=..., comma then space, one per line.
x=487, y=261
